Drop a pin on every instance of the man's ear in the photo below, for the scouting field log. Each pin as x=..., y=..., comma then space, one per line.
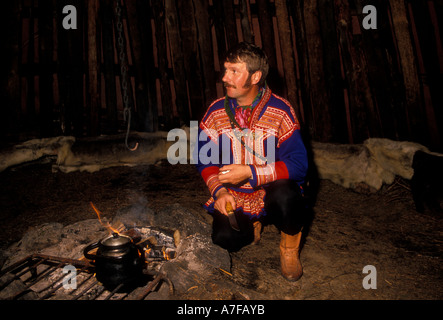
x=256, y=77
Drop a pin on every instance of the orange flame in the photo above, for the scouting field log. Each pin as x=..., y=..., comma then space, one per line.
x=166, y=255
x=107, y=225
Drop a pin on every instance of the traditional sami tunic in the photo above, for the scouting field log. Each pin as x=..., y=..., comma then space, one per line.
x=269, y=142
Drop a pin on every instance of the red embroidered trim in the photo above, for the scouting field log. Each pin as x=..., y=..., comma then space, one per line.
x=210, y=176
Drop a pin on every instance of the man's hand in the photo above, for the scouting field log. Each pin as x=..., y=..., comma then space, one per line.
x=223, y=196
x=234, y=174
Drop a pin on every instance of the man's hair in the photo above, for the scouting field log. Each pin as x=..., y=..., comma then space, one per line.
x=254, y=57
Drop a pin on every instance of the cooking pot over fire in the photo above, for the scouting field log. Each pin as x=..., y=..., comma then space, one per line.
x=117, y=260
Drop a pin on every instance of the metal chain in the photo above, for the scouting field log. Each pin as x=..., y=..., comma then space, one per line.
x=124, y=73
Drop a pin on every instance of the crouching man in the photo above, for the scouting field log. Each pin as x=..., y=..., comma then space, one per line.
x=252, y=158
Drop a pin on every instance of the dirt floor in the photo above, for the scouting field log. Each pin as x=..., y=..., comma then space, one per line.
x=349, y=231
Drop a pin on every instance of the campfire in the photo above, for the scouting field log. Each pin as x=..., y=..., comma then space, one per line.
x=173, y=244
x=105, y=272
x=157, y=244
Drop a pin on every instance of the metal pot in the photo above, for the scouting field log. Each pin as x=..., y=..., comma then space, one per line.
x=117, y=260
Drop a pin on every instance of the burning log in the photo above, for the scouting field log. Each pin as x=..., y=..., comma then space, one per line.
x=158, y=245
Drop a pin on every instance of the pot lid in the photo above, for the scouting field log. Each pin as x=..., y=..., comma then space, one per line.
x=116, y=240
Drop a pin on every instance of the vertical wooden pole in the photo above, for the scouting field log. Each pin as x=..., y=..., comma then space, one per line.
x=230, y=23
x=30, y=113
x=434, y=10
x=46, y=51
x=107, y=17
x=178, y=63
x=366, y=116
x=318, y=98
x=124, y=59
x=148, y=117
x=332, y=72
x=268, y=41
x=357, y=113
x=206, y=50
x=285, y=34
x=71, y=70
x=219, y=26
x=383, y=73
x=141, y=83
x=245, y=21
x=158, y=10
x=431, y=80
x=192, y=58
x=303, y=66
x=93, y=68
x=10, y=81
x=409, y=69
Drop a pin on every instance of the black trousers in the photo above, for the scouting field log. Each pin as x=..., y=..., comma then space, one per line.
x=285, y=206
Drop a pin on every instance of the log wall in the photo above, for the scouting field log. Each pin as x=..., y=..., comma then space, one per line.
x=345, y=83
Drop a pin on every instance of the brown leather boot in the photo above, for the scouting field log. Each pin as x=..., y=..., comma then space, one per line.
x=257, y=232
x=291, y=267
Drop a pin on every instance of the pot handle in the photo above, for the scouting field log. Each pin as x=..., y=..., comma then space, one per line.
x=89, y=248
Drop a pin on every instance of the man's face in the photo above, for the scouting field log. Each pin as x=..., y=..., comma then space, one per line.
x=236, y=80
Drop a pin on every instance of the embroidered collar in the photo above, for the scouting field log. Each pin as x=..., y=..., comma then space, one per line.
x=254, y=102
x=234, y=122
x=230, y=113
